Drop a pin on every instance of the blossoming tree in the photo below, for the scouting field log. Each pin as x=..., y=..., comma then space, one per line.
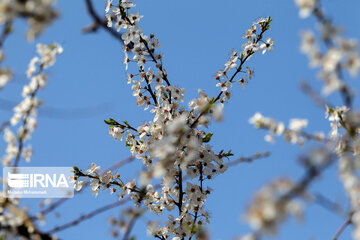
x=179, y=164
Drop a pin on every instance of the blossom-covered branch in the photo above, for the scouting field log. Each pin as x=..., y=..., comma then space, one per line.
x=26, y=111
x=171, y=146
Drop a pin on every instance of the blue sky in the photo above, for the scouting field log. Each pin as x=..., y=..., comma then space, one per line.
x=196, y=37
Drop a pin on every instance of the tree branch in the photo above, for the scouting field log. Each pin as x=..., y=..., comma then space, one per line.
x=343, y=227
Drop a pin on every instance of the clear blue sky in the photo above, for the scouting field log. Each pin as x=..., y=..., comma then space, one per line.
x=196, y=37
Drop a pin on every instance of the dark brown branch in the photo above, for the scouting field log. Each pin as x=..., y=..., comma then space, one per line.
x=201, y=180
x=98, y=22
x=148, y=88
x=181, y=193
x=7, y=28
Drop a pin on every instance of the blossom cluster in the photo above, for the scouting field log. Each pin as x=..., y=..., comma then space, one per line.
x=340, y=55
x=237, y=59
x=271, y=206
x=14, y=219
x=293, y=134
x=39, y=14
x=107, y=180
x=26, y=111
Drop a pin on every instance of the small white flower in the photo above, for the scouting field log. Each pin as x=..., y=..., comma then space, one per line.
x=116, y=133
x=27, y=153
x=95, y=187
x=267, y=46
x=93, y=169
x=78, y=185
x=217, y=112
x=297, y=124
x=108, y=5
x=32, y=66
x=306, y=7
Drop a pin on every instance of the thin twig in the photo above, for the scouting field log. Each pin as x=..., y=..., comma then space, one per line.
x=248, y=159
x=326, y=203
x=181, y=193
x=97, y=211
x=130, y=227
x=314, y=96
x=4, y=125
x=342, y=228
x=101, y=22
x=87, y=216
